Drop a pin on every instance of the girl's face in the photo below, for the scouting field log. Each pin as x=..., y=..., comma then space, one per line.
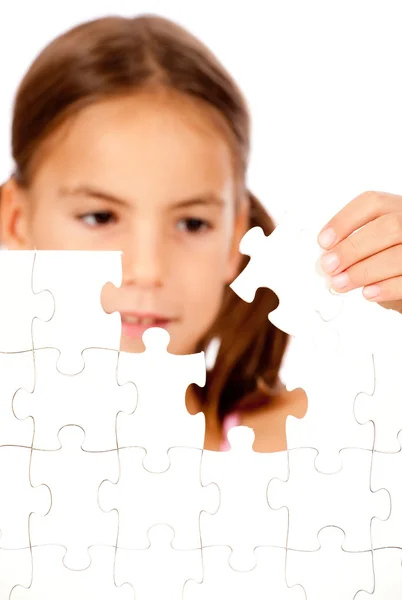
x=152, y=177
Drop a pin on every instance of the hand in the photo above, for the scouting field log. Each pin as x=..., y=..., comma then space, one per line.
x=372, y=257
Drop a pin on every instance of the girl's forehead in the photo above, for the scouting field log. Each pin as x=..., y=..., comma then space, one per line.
x=137, y=150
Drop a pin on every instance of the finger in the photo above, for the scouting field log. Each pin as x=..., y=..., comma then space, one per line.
x=358, y=212
x=384, y=291
x=381, y=266
x=380, y=234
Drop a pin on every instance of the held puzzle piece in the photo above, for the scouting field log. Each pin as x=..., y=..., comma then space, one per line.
x=156, y=498
x=287, y=262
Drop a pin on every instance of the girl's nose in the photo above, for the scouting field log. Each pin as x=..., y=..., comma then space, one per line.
x=143, y=260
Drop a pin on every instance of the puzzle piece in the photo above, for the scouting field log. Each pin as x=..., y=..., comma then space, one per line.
x=18, y=304
x=244, y=519
x=296, y=278
x=59, y=400
x=16, y=371
x=18, y=499
x=384, y=406
x=388, y=575
x=161, y=400
x=386, y=473
x=330, y=572
x=75, y=280
x=143, y=499
x=266, y=580
x=75, y=520
x=342, y=499
x=15, y=568
x=329, y=424
x=174, y=567
x=52, y=580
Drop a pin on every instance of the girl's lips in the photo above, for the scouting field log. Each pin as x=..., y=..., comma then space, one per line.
x=136, y=330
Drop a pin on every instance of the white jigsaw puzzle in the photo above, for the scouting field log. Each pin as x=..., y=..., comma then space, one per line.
x=18, y=499
x=60, y=399
x=161, y=379
x=143, y=498
x=52, y=580
x=266, y=580
x=244, y=519
x=175, y=567
x=342, y=499
x=386, y=473
x=74, y=519
x=75, y=280
x=330, y=572
x=110, y=478
x=388, y=575
x=329, y=424
x=17, y=371
x=18, y=304
x=384, y=406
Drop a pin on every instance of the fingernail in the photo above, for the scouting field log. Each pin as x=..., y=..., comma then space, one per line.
x=372, y=291
x=330, y=262
x=327, y=238
x=340, y=281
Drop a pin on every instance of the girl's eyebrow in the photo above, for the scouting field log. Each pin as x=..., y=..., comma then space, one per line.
x=207, y=199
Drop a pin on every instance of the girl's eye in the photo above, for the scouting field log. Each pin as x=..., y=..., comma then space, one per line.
x=194, y=225
x=96, y=218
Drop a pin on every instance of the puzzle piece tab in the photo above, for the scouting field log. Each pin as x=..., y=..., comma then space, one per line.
x=18, y=498
x=266, y=580
x=159, y=571
x=384, y=405
x=16, y=372
x=388, y=575
x=15, y=569
x=52, y=580
x=18, y=304
x=75, y=519
x=330, y=572
x=244, y=519
x=161, y=379
x=386, y=473
x=59, y=400
x=75, y=280
x=343, y=499
x=329, y=424
x=143, y=499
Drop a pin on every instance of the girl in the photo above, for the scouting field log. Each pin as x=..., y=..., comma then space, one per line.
x=127, y=134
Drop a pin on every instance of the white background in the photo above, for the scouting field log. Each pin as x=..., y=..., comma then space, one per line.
x=323, y=81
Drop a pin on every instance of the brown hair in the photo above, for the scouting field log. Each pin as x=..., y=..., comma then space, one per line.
x=116, y=55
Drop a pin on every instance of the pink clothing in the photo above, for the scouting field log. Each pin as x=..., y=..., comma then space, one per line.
x=232, y=420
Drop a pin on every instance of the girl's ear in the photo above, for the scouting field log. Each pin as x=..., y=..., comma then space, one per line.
x=14, y=232
x=241, y=226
